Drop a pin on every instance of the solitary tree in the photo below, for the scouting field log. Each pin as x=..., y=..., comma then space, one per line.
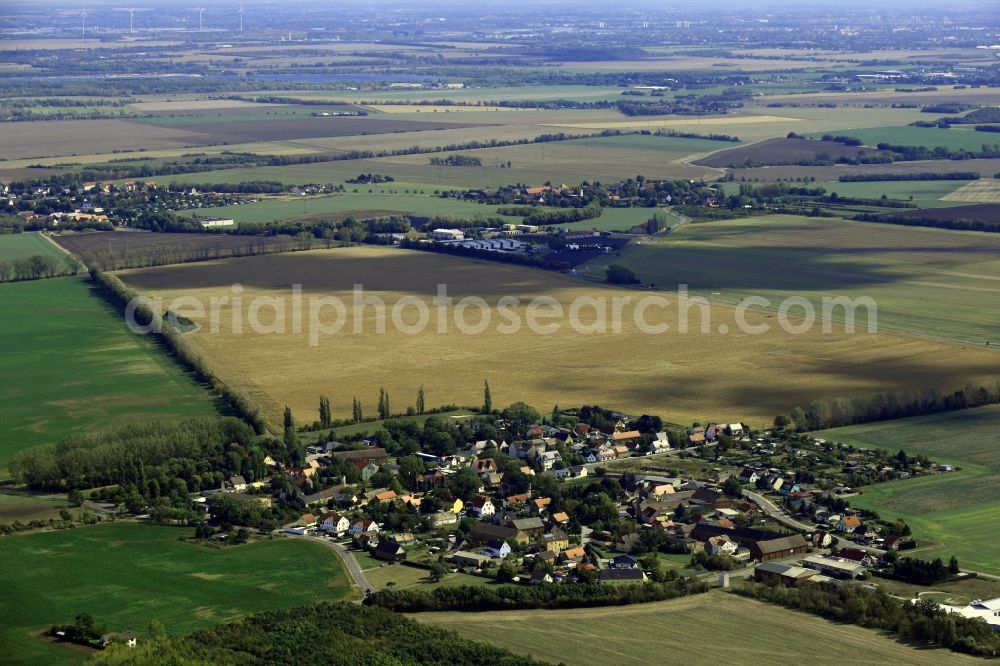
x=487, y=398
x=383, y=403
x=357, y=414
x=290, y=437
x=325, y=417
x=420, y=399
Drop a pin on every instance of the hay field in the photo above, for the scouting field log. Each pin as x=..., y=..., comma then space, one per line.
x=679, y=375
x=707, y=629
x=925, y=281
x=984, y=190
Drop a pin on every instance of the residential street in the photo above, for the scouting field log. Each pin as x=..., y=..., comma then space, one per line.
x=776, y=512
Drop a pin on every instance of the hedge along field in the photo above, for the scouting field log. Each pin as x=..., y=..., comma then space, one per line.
x=71, y=364
x=957, y=511
x=635, y=372
x=127, y=575
x=924, y=281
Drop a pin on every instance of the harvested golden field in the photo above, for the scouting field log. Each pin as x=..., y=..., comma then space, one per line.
x=984, y=190
x=680, y=375
x=706, y=629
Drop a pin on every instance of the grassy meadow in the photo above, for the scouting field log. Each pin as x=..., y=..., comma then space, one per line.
x=27, y=508
x=955, y=138
x=700, y=630
x=924, y=281
x=126, y=575
x=76, y=366
x=959, y=512
x=638, y=372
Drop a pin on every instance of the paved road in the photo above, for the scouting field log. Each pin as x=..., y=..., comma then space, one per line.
x=350, y=562
x=776, y=512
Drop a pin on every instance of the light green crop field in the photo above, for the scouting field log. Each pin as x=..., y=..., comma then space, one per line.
x=701, y=629
x=958, y=511
x=19, y=246
x=126, y=575
x=284, y=209
x=925, y=193
x=930, y=137
x=563, y=161
x=923, y=281
x=71, y=364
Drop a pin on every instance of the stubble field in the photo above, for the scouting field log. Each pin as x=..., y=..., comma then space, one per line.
x=703, y=629
x=735, y=376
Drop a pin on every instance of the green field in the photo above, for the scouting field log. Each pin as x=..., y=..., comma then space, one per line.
x=925, y=193
x=126, y=575
x=277, y=210
x=19, y=246
x=929, y=137
x=924, y=281
x=708, y=629
x=71, y=364
x=958, y=511
x=26, y=508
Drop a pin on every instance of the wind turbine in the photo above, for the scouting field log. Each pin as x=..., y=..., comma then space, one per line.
x=242, y=12
x=83, y=24
x=131, y=16
x=200, y=10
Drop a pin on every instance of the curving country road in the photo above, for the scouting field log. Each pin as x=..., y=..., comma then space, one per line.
x=776, y=512
x=350, y=562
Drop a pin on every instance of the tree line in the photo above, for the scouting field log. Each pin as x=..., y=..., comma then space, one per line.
x=823, y=414
x=960, y=224
x=472, y=598
x=35, y=267
x=881, y=177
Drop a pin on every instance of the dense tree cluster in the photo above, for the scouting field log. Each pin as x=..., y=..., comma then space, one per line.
x=149, y=456
x=337, y=634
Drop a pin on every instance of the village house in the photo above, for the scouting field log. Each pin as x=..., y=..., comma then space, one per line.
x=482, y=507
x=496, y=548
x=360, y=526
x=333, y=523
x=389, y=551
